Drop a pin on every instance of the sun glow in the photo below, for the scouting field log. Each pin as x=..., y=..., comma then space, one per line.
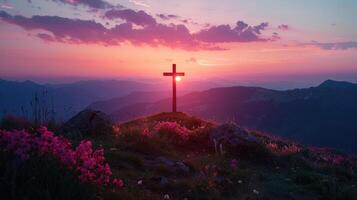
x=178, y=79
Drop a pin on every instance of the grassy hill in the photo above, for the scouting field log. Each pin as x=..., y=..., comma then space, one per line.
x=177, y=156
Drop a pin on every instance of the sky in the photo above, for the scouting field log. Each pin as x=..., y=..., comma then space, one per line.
x=208, y=39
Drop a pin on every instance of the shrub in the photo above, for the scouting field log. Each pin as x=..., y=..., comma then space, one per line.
x=88, y=164
x=175, y=133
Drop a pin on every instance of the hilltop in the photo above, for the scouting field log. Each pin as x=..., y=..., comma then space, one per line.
x=178, y=156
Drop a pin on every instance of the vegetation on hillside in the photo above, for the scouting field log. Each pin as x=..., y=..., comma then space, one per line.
x=173, y=156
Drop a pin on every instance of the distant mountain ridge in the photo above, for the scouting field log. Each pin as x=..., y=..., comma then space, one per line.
x=17, y=98
x=325, y=115
x=63, y=101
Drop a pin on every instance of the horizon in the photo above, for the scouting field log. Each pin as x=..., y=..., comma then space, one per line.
x=280, y=83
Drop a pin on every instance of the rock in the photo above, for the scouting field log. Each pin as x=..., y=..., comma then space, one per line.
x=232, y=139
x=89, y=122
x=163, y=180
x=182, y=167
x=231, y=134
x=173, y=167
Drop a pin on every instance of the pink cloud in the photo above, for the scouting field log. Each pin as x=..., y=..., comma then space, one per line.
x=151, y=33
x=131, y=16
x=283, y=27
x=242, y=32
x=96, y=4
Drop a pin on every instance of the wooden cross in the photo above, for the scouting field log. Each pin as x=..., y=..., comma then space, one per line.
x=174, y=74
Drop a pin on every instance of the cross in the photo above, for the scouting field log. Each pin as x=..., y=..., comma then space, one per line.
x=174, y=74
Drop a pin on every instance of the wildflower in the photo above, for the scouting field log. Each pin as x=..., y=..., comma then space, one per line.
x=18, y=142
x=272, y=146
x=118, y=183
x=146, y=133
x=291, y=149
x=255, y=191
x=166, y=197
x=88, y=164
x=140, y=182
x=173, y=127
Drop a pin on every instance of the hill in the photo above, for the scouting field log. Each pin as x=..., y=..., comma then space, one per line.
x=324, y=115
x=178, y=156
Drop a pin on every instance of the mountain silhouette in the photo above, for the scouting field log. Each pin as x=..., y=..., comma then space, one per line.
x=324, y=115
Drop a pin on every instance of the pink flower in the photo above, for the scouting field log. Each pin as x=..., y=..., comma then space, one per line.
x=88, y=164
x=147, y=133
x=118, y=183
x=291, y=149
x=181, y=132
x=18, y=142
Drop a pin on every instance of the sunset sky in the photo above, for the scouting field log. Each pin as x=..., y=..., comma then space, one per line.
x=205, y=38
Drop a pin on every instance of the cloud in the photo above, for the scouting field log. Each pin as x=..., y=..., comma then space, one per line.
x=96, y=4
x=140, y=3
x=242, y=32
x=62, y=29
x=283, y=27
x=6, y=6
x=136, y=17
x=149, y=32
x=334, y=45
x=167, y=17
x=275, y=36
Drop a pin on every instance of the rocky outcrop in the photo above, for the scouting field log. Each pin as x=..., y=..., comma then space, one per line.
x=89, y=122
x=231, y=134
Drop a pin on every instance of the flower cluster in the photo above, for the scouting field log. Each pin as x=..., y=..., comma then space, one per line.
x=284, y=150
x=146, y=133
x=90, y=165
x=291, y=149
x=18, y=142
x=328, y=155
x=172, y=127
x=272, y=146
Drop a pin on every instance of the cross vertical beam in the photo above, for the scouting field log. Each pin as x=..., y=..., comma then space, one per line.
x=174, y=74
x=174, y=88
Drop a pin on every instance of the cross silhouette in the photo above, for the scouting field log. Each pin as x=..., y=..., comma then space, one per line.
x=174, y=74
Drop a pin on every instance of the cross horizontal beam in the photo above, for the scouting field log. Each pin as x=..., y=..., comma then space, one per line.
x=174, y=74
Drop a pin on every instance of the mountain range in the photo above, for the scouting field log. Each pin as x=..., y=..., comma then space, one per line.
x=324, y=115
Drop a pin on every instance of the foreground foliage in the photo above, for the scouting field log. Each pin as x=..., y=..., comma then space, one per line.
x=171, y=156
x=42, y=152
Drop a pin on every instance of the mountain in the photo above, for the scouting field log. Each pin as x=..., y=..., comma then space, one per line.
x=337, y=84
x=60, y=101
x=16, y=96
x=114, y=104
x=325, y=115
